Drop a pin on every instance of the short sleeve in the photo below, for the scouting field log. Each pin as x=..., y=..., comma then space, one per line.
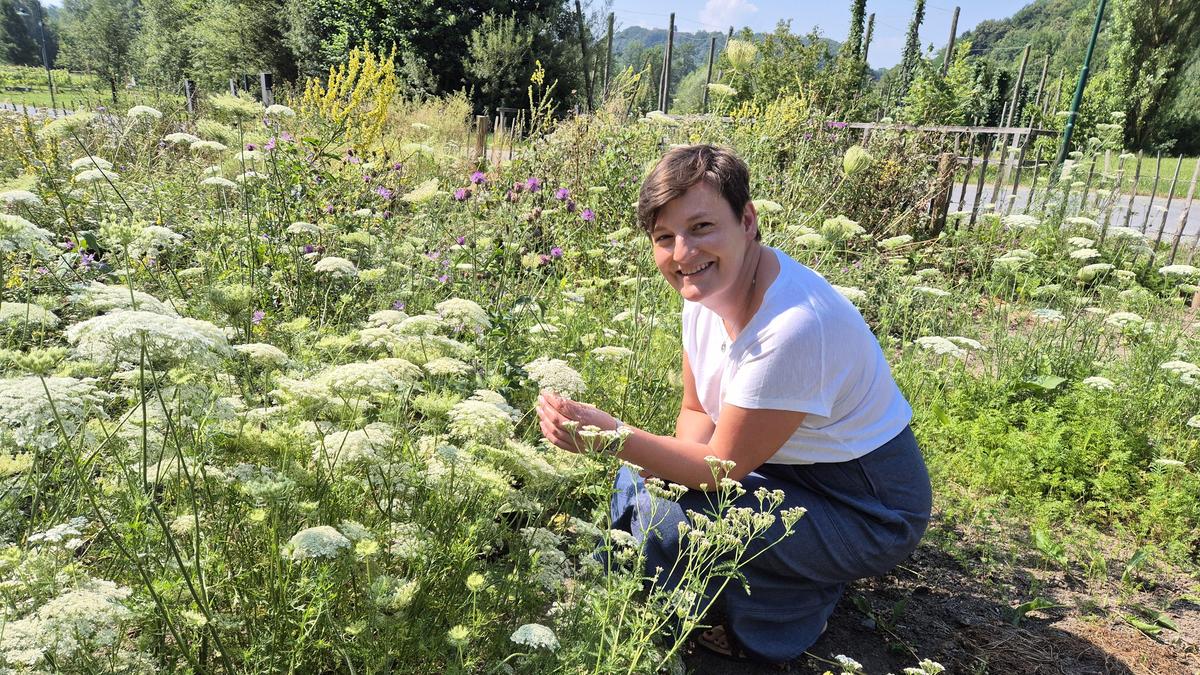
x=789, y=367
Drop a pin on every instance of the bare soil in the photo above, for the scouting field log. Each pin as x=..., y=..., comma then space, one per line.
x=952, y=601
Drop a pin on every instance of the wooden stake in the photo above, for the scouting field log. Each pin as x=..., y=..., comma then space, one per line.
x=608, y=53
x=481, y=131
x=1137, y=174
x=1012, y=108
x=987, y=152
x=941, y=202
x=1153, y=190
x=666, y=97
x=962, y=195
x=712, y=51
x=1037, y=158
x=587, y=73
x=1162, y=224
x=1187, y=206
x=1037, y=101
x=950, y=46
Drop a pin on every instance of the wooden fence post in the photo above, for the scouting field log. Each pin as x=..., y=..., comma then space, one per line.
x=1187, y=206
x=1153, y=190
x=666, y=89
x=945, y=185
x=265, y=81
x=481, y=131
x=950, y=45
x=712, y=50
x=987, y=153
x=1137, y=174
x=587, y=73
x=1162, y=224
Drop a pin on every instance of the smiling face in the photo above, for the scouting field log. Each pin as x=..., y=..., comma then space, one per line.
x=703, y=248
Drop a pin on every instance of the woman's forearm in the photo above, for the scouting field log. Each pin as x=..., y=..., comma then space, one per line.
x=674, y=459
x=694, y=425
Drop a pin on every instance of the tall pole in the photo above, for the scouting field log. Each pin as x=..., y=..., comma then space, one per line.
x=1075, y=102
x=1037, y=101
x=950, y=47
x=21, y=11
x=866, y=45
x=587, y=73
x=1012, y=106
x=666, y=96
x=712, y=50
x=608, y=52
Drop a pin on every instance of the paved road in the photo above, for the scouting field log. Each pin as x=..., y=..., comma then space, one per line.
x=32, y=110
x=1116, y=213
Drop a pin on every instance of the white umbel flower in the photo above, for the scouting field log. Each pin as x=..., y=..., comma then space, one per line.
x=217, y=181
x=27, y=418
x=535, y=635
x=91, y=163
x=851, y=293
x=334, y=266
x=169, y=341
x=181, y=138
x=612, y=354
x=100, y=298
x=18, y=235
x=386, y=318
x=78, y=622
x=301, y=227
x=1122, y=319
x=1098, y=382
x=23, y=197
x=279, y=110
x=203, y=147
x=138, y=112
x=485, y=421
x=555, y=375
x=14, y=314
x=1020, y=221
x=446, y=366
x=1178, y=270
x=315, y=542
x=346, y=449
x=464, y=314
x=263, y=354
x=153, y=241
x=940, y=346
x=102, y=176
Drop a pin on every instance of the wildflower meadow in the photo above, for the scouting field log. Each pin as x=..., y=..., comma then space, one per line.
x=268, y=374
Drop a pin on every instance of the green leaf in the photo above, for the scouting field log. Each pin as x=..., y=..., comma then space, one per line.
x=939, y=414
x=1136, y=562
x=1147, y=628
x=1033, y=605
x=1042, y=383
x=1154, y=616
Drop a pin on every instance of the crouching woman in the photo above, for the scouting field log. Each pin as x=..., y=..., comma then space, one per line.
x=781, y=376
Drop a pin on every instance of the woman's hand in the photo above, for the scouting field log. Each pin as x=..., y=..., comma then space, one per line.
x=561, y=420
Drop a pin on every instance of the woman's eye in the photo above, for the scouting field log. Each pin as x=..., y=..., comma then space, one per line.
x=700, y=226
x=662, y=238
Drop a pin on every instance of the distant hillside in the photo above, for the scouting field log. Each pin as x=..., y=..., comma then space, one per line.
x=1060, y=28
x=638, y=39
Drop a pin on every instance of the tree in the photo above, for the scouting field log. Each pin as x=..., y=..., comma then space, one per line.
x=1153, y=43
x=499, y=58
x=166, y=44
x=911, y=59
x=852, y=49
x=18, y=43
x=99, y=36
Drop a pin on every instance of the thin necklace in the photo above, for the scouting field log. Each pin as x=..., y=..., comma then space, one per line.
x=753, y=283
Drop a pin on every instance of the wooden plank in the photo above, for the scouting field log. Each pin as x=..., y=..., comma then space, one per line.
x=1184, y=215
x=1153, y=190
x=1137, y=174
x=1162, y=224
x=979, y=187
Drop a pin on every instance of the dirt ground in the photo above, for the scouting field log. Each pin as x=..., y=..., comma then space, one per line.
x=952, y=601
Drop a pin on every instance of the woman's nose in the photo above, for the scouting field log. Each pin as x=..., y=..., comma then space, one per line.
x=682, y=249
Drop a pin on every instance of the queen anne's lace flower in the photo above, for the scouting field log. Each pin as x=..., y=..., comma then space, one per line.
x=1020, y=221
x=343, y=449
x=20, y=235
x=1122, y=319
x=423, y=192
x=79, y=622
x=279, y=110
x=315, y=542
x=100, y=298
x=535, y=635
x=91, y=163
x=485, y=417
x=854, y=295
x=24, y=197
x=1178, y=270
x=301, y=227
x=153, y=241
x=1097, y=382
x=21, y=313
x=217, y=181
x=181, y=138
x=1090, y=272
x=27, y=417
x=119, y=336
x=201, y=147
x=386, y=318
x=1047, y=314
x=336, y=267
x=464, y=314
x=941, y=346
x=144, y=112
x=263, y=353
x=102, y=176
x=446, y=366
x=612, y=354
x=555, y=375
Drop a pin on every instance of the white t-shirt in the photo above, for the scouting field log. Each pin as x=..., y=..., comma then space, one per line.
x=806, y=349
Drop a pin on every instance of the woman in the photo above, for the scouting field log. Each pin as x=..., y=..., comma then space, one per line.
x=782, y=376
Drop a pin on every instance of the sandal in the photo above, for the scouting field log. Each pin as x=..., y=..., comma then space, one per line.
x=721, y=641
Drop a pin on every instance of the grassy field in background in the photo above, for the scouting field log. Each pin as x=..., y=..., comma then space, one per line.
x=1145, y=178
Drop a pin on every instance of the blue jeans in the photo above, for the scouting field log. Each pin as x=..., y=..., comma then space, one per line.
x=864, y=516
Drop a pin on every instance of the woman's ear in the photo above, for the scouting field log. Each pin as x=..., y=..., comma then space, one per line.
x=750, y=219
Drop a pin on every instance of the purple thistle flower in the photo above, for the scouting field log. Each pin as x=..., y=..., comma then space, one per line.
x=367, y=178
x=86, y=259
x=309, y=248
x=571, y=206
x=543, y=259
x=461, y=241
x=478, y=178
x=258, y=316
x=462, y=194
x=384, y=192
x=328, y=208
x=251, y=146
x=444, y=278
x=588, y=215
x=533, y=184
x=562, y=193
x=397, y=166
x=510, y=196
x=556, y=252
x=286, y=137
x=386, y=214
x=398, y=305
x=270, y=144
x=66, y=245
x=835, y=125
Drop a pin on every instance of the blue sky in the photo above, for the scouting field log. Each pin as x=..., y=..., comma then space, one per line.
x=833, y=17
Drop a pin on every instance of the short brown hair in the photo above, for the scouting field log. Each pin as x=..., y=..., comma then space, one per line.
x=681, y=168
